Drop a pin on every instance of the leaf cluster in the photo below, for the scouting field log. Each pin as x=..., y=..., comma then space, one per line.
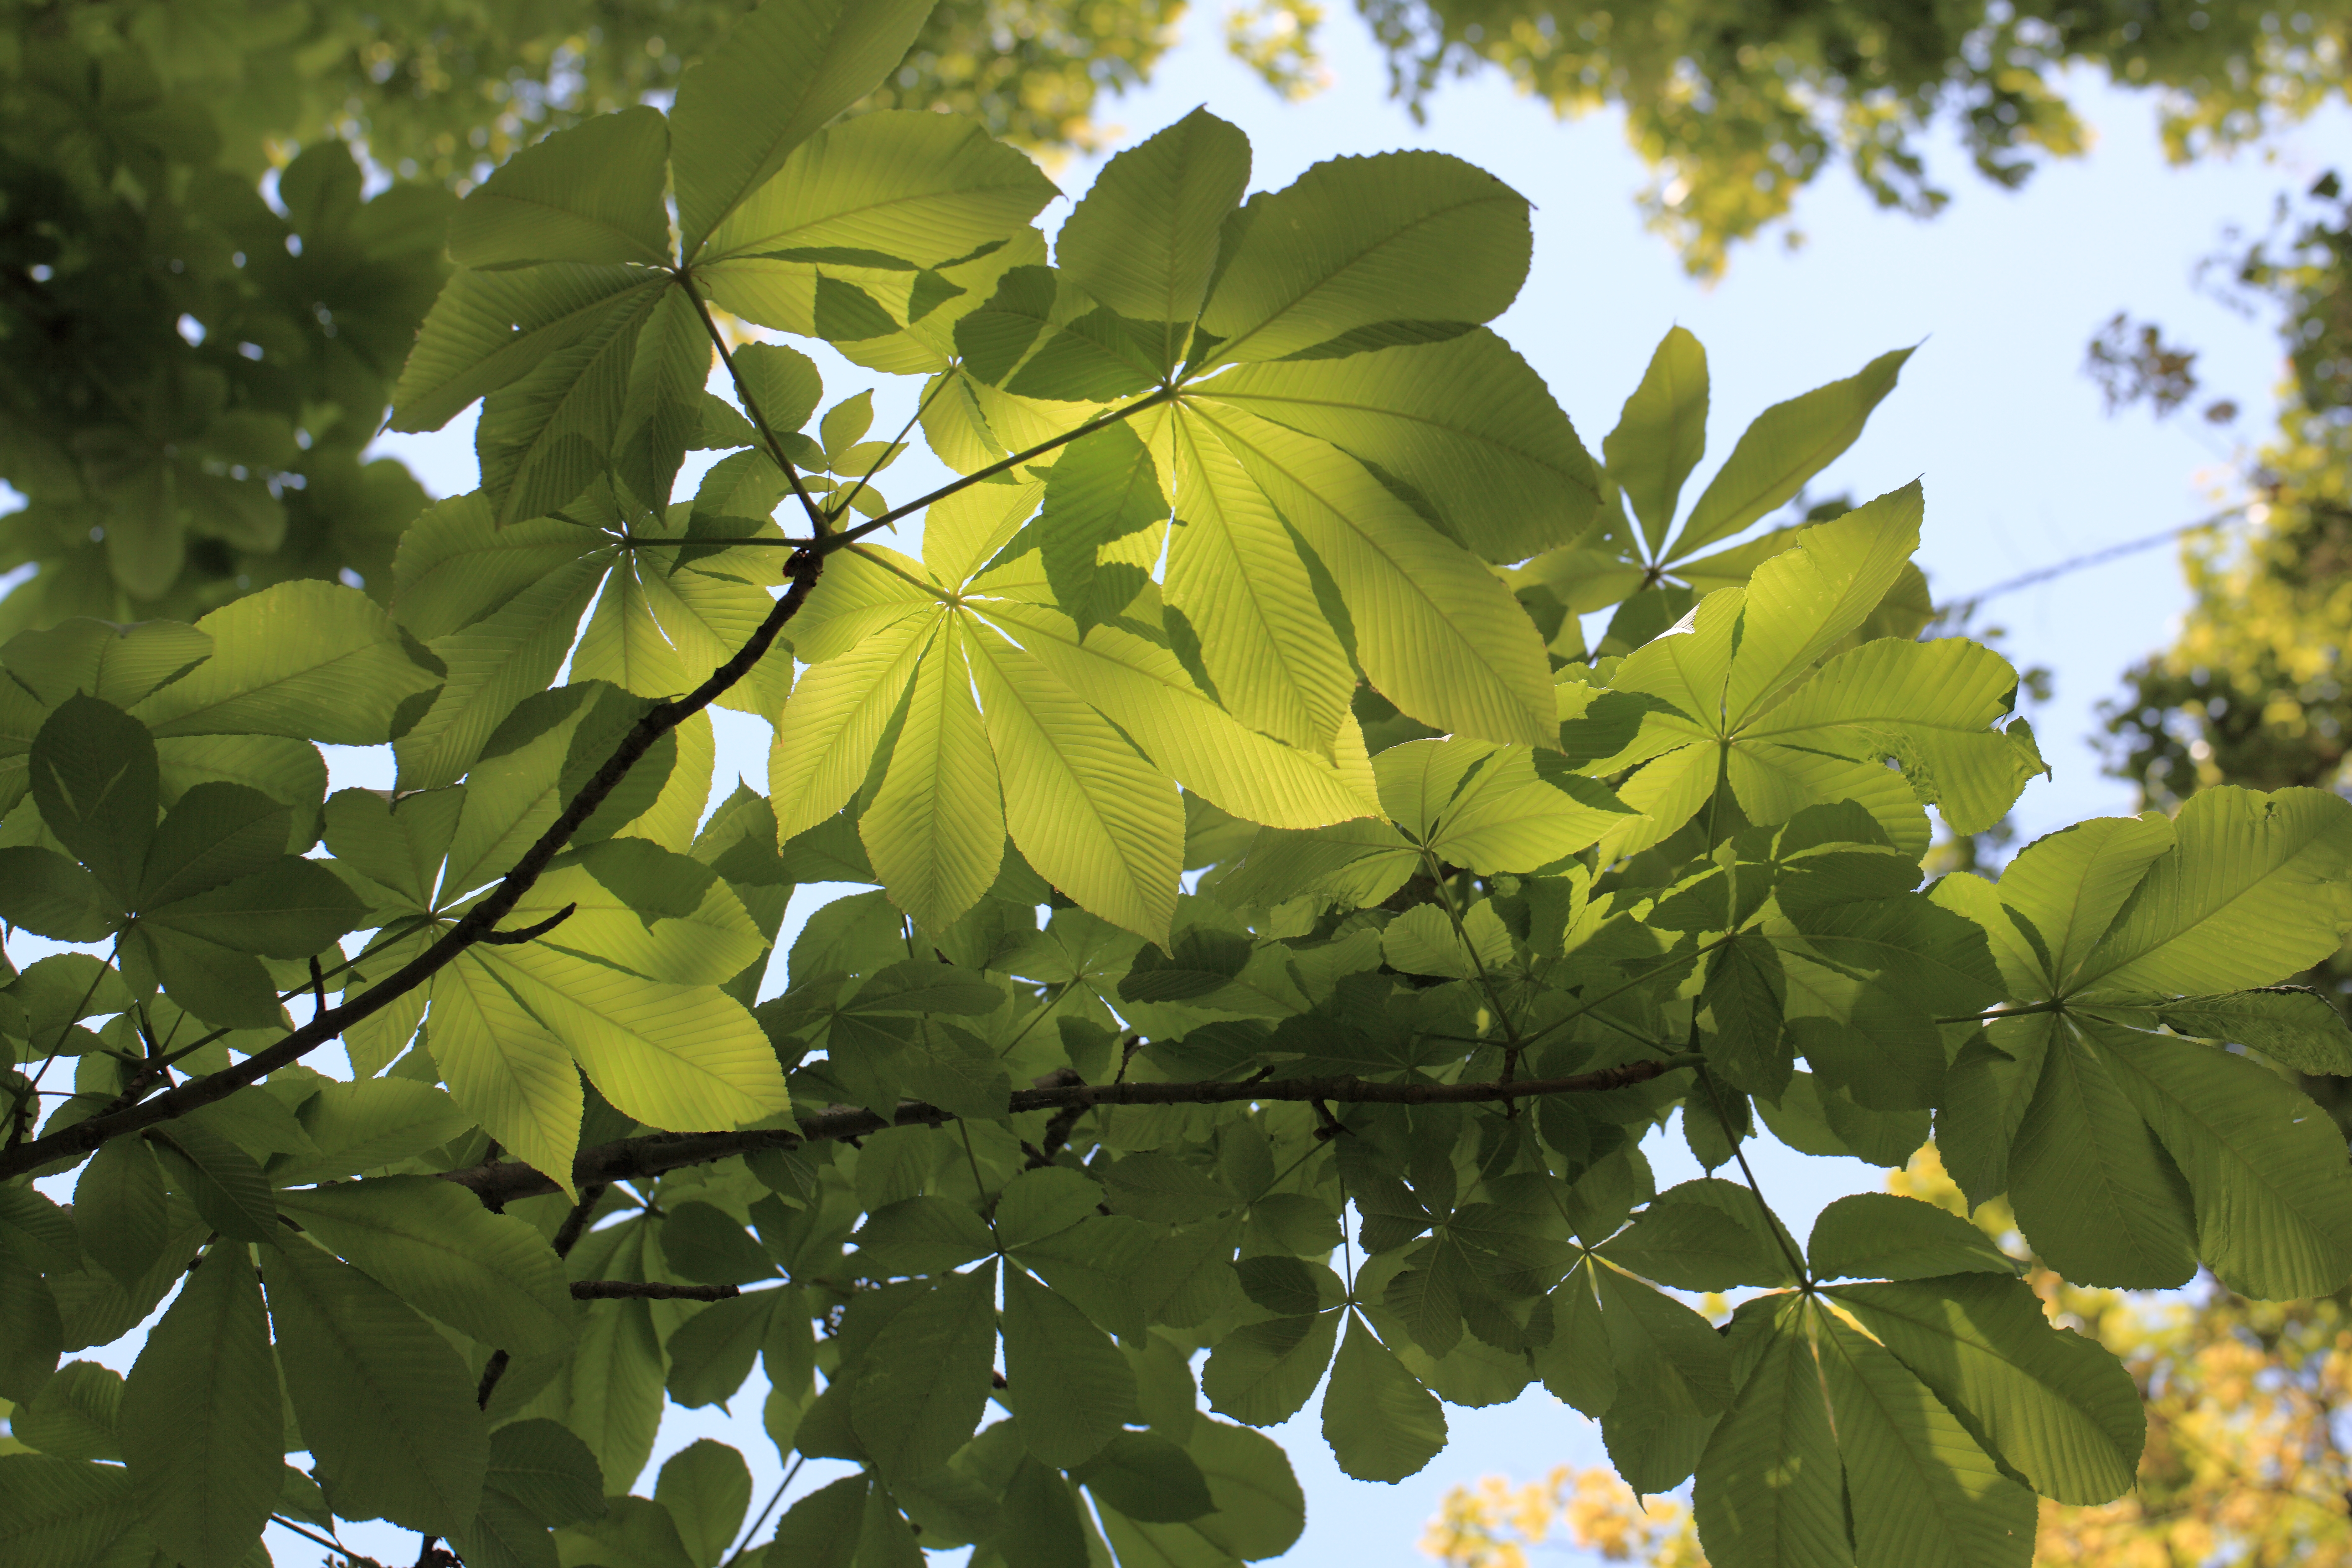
x=1263, y=869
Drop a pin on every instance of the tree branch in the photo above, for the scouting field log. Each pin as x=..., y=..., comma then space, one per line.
x=478, y=924
x=634, y=1158
x=641, y=1290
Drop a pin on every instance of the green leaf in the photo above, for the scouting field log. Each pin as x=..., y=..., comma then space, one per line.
x=385, y=1404
x=821, y=1528
x=1261, y=1512
x=1238, y=580
x=1042, y=1203
x=1661, y=433
x=456, y=566
x=367, y=1125
x=221, y=1179
x=316, y=661
x=1492, y=808
x=1801, y=602
x=1772, y=1489
x=432, y=1244
x=94, y=780
x=1745, y=998
x=1082, y=806
x=1104, y=488
x=291, y=908
x=50, y=896
x=1382, y=1424
x=785, y=71
x=505, y=1069
x=201, y=1431
x=707, y=1487
x=32, y=1335
x=2289, y=1024
x=1261, y=1373
x=2255, y=888
x=214, y=834
x=661, y=410
x=590, y=194
x=2056, y=1407
x=1070, y=1389
x=115, y=664
x=924, y=1380
x=1576, y=1365
x=1430, y=416
x=1360, y=242
x=610, y=1394
x=2094, y=1193
x=711, y=1355
x=1929, y=705
x=1143, y=687
x=702, y=1243
x=684, y=1057
x=488, y=329
x=1436, y=631
x=2273, y=1196
x=1920, y=1489
x=77, y=1415
x=1693, y=1247
x=635, y=1532
x=1673, y=1378
x=57, y=1513
x=1147, y=1478
x=1878, y=1235
x=546, y=437
x=1787, y=443
x=827, y=735
x=1932, y=958
x=935, y=830
x=546, y=1469
x=1144, y=238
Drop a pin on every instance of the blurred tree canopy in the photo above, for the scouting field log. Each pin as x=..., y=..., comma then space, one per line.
x=1737, y=107
x=220, y=220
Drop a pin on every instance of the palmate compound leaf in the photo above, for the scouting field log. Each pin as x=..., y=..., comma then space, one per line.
x=1492, y=808
x=1716, y=690
x=1070, y=1388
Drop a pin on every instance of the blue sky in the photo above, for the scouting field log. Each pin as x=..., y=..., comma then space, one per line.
x=2021, y=468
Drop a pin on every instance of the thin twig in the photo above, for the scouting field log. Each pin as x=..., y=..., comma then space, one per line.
x=635, y=1158
x=751, y=407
